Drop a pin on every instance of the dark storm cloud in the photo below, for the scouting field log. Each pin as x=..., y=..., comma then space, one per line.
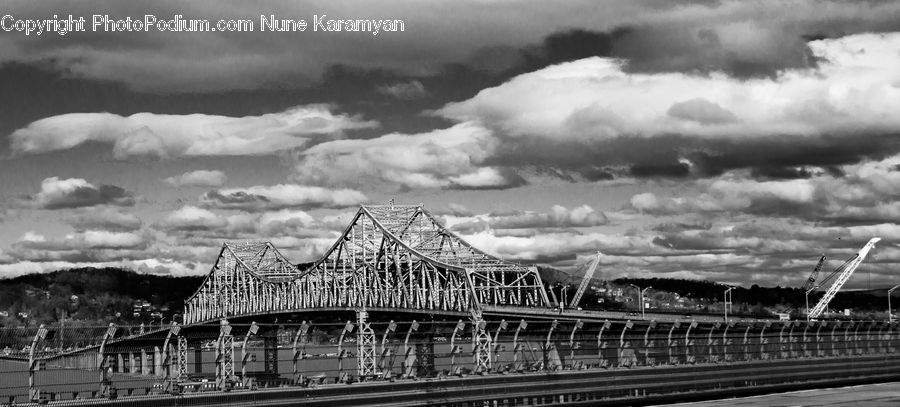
x=677, y=156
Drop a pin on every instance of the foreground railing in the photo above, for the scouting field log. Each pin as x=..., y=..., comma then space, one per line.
x=114, y=362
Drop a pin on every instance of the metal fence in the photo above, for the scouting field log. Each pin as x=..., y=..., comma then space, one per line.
x=93, y=362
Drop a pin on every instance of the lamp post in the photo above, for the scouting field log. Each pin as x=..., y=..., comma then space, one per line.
x=641, y=297
x=727, y=298
x=891, y=291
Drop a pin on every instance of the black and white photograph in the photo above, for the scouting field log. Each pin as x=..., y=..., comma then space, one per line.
x=449, y=203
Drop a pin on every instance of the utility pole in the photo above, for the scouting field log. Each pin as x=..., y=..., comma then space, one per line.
x=891, y=292
x=727, y=298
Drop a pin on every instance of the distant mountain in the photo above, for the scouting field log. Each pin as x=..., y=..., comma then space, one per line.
x=93, y=295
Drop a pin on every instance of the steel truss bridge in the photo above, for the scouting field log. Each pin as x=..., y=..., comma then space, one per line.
x=390, y=257
x=411, y=314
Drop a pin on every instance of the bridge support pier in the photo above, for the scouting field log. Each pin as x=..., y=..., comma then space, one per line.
x=366, y=361
x=181, y=373
x=224, y=357
x=481, y=342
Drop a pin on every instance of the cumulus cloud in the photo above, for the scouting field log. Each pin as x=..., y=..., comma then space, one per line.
x=270, y=197
x=865, y=192
x=558, y=217
x=411, y=90
x=165, y=135
x=199, y=222
x=192, y=218
x=596, y=99
x=59, y=193
x=446, y=158
x=88, y=245
x=198, y=178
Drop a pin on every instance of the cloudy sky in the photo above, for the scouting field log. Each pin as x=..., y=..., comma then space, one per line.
x=723, y=140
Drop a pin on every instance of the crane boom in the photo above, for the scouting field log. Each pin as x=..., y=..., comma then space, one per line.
x=811, y=281
x=586, y=281
x=849, y=267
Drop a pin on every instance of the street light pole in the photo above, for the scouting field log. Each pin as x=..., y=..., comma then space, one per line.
x=641, y=297
x=890, y=314
x=727, y=298
x=642, y=301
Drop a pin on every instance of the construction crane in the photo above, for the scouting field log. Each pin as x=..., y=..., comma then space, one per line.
x=586, y=281
x=843, y=274
x=811, y=281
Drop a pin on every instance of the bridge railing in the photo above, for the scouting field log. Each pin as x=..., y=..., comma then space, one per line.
x=196, y=358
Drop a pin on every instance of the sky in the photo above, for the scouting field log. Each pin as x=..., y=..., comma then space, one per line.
x=731, y=141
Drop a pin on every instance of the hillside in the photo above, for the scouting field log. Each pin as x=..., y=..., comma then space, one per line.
x=93, y=295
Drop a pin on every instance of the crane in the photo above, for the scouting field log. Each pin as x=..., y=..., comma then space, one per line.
x=586, y=281
x=843, y=272
x=811, y=281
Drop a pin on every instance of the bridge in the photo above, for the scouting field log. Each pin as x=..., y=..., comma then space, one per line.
x=390, y=257
x=400, y=310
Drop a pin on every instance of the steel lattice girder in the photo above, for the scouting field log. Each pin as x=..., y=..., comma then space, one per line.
x=390, y=256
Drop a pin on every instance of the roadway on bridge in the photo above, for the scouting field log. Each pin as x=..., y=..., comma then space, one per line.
x=869, y=395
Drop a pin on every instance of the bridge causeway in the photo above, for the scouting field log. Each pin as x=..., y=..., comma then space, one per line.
x=404, y=311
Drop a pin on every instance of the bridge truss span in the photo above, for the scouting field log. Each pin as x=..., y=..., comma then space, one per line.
x=388, y=257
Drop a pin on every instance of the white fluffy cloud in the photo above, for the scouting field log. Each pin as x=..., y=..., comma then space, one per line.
x=270, y=197
x=192, y=218
x=198, y=178
x=452, y=157
x=164, y=135
x=855, y=88
x=59, y=193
